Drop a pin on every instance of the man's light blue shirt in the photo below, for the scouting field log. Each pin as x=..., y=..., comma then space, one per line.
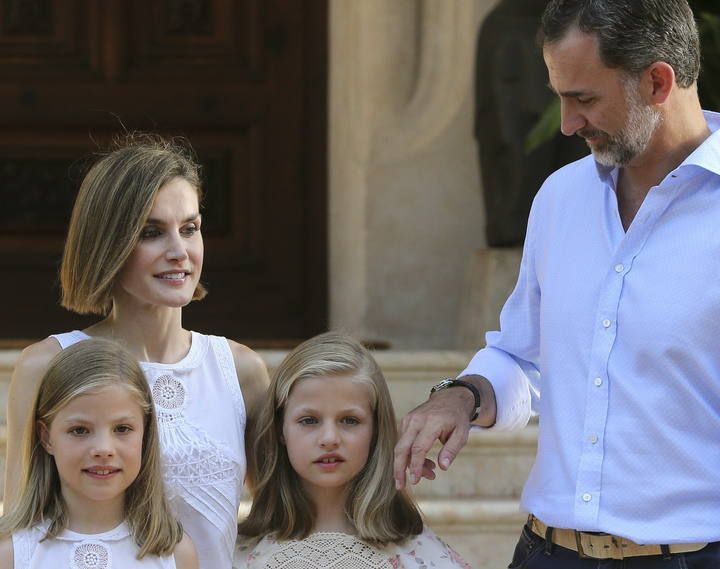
x=613, y=337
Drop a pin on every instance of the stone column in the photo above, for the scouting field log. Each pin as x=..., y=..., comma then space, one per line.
x=405, y=210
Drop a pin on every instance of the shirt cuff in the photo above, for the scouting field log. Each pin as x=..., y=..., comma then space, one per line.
x=511, y=385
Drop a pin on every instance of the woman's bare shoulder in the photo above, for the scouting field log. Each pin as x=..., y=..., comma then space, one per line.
x=34, y=361
x=245, y=356
x=248, y=363
x=251, y=370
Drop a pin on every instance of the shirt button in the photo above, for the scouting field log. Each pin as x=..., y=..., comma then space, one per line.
x=606, y=323
x=598, y=381
x=586, y=497
x=619, y=268
x=593, y=439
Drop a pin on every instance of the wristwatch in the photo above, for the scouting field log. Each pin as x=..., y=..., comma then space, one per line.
x=452, y=382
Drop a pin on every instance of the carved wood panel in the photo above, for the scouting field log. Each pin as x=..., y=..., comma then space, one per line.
x=207, y=36
x=45, y=38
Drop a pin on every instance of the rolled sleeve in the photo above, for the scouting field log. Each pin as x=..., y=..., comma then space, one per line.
x=511, y=385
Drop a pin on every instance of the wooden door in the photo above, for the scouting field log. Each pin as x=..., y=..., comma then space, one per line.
x=243, y=80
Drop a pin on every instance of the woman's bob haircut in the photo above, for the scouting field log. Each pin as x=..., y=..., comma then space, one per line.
x=379, y=513
x=112, y=206
x=82, y=369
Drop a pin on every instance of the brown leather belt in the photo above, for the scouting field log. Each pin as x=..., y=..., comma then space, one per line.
x=604, y=545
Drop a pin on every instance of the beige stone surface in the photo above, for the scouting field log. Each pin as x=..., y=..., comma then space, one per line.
x=491, y=277
x=405, y=207
x=484, y=532
x=491, y=465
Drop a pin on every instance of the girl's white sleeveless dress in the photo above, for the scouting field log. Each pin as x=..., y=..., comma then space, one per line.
x=201, y=419
x=114, y=549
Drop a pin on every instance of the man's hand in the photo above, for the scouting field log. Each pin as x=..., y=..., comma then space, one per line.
x=444, y=417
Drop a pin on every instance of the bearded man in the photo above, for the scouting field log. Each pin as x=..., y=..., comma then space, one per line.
x=612, y=331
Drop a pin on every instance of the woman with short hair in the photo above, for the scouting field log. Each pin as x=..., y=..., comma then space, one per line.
x=133, y=256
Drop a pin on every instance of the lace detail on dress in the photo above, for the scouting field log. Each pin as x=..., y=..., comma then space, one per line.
x=90, y=555
x=190, y=456
x=227, y=365
x=328, y=551
x=199, y=470
x=169, y=397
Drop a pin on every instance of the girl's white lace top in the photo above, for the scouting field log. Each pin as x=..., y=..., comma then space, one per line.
x=201, y=417
x=342, y=551
x=114, y=549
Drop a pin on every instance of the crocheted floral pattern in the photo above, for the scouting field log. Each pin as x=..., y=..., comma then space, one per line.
x=169, y=396
x=190, y=455
x=168, y=393
x=200, y=461
x=90, y=555
x=200, y=469
x=328, y=551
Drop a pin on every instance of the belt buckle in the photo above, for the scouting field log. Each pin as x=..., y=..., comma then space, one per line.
x=615, y=547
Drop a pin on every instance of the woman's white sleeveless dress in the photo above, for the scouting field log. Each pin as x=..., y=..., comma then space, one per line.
x=201, y=419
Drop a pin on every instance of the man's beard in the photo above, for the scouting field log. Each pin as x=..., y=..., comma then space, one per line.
x=622, y=147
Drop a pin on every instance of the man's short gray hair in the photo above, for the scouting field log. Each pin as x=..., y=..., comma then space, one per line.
x=631, y=34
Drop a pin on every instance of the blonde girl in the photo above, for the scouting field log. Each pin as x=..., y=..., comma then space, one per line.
x=321, y=470
x=92, y=492
x=133, y=256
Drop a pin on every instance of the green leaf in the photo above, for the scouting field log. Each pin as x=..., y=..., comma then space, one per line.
x=546, y=128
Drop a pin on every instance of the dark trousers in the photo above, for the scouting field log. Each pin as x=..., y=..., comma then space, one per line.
x=532, y=552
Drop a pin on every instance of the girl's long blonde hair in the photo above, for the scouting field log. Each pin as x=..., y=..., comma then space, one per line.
x=81, y=369
x=379, y=512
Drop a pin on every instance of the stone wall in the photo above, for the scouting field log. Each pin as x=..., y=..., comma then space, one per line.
x=405, y=207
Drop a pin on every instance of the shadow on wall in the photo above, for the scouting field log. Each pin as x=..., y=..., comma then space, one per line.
x=512, y=93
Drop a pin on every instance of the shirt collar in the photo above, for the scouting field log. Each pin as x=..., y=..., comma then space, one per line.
x=706, y=156
x=607, y=174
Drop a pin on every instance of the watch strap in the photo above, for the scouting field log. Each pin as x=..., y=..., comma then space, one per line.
x=450, y=382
